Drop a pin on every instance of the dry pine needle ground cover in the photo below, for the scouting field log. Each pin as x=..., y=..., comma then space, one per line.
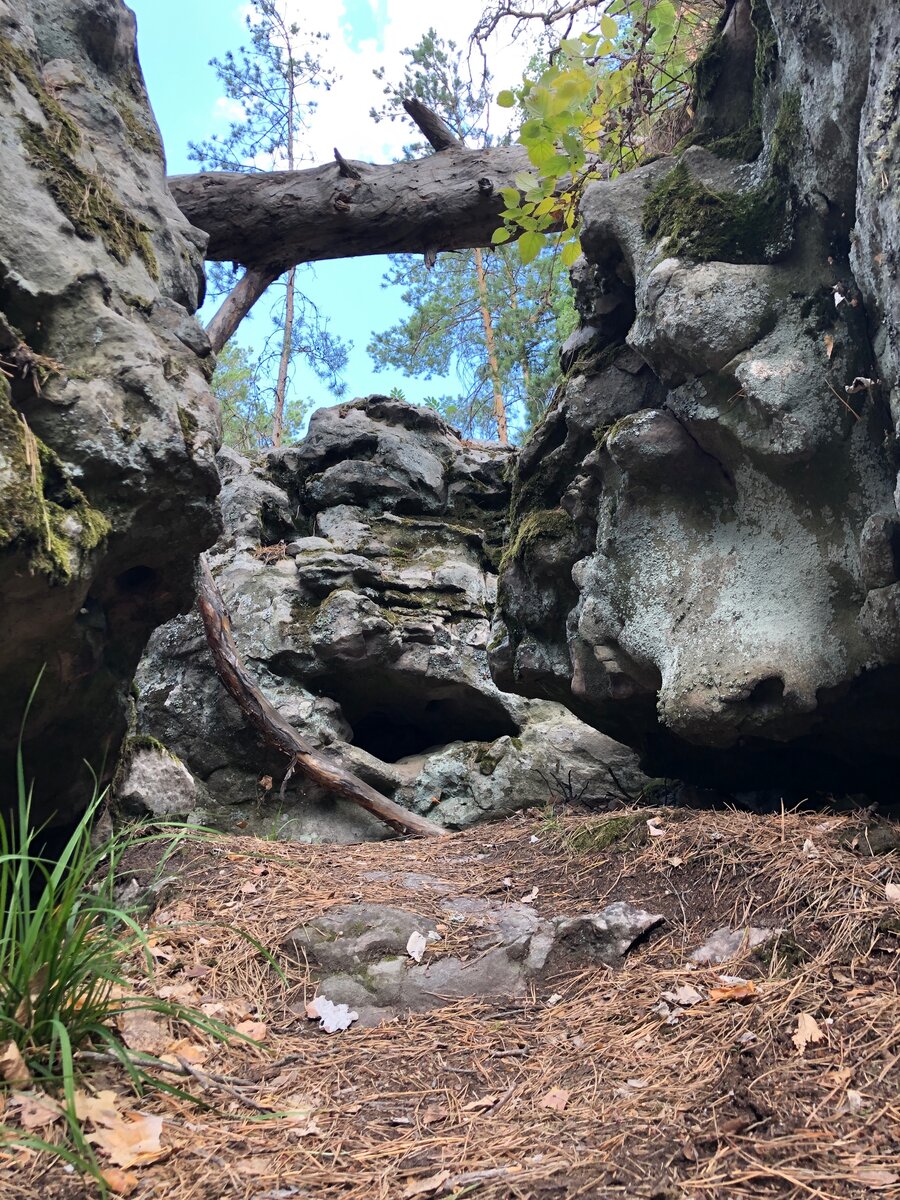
x=785, y=1085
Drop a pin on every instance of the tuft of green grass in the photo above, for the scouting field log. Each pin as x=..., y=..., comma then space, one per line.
x=64, y=946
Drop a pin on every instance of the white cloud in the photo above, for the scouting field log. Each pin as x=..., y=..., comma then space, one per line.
x=226, y=109
x=342, y=117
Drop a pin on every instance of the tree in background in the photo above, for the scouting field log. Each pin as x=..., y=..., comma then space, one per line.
x=271, y=80
x=497, y=320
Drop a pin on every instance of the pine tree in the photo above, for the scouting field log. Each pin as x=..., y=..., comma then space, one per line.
x=496, y=320
x=271, y=80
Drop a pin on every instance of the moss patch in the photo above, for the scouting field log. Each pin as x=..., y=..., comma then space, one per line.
x=630, y=830
x=738, y=227
x=141, y=133
x=543, y=524
x=189, y=426
x=86, y=198
x=41, y=512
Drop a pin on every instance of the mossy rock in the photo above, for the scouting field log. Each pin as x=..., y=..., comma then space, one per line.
x=741, y=227
x=544, y=525
x=86, y=198
x=628, y=831
x=42, y=513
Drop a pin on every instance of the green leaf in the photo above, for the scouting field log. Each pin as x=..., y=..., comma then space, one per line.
x=532, y=131
x=507, y=99
x=570, y=252
x=662, y=15
x=510, y=197
x=608, y=27
x=500, y=235
x=530, y=246
x=525, y=180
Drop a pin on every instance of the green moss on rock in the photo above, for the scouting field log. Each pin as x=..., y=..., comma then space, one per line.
x=189, y=426
x=86, y=198
x=141, y=132
x=749, y=226
x=42, y=514
x=543, y=524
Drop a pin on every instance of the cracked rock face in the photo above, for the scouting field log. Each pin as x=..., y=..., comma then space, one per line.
x=704, y=553
x=108, y=429
x=360, y=571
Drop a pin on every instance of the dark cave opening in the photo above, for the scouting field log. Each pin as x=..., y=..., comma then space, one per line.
x=393, y=717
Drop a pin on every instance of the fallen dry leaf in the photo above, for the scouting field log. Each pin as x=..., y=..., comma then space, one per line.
x=257, y=1031
x=13, y=1068
x=483, y=1102
x=685, y=995
x=529, y=896
x=877, y=1177
x=829, y=344
x=100, y=1109
x=143, y=1030
x=892, y=892
x=35, y=1109
x=121, y=1182
x=426, y=1187
x=556, y=1099
x=807, y=1031
x=256, y=1165
x=734, y=991
x=133, y=1140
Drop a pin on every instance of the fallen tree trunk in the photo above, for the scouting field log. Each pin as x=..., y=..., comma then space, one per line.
x=445, y=201
x=276, y=732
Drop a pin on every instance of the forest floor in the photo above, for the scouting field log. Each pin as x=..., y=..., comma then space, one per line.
x=774, y=1074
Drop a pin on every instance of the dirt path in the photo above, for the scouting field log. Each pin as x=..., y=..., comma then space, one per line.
x=593, y=1084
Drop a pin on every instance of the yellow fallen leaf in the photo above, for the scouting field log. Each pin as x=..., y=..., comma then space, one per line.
x=131, y=1141
x=13, y=1068
x=807, y=1031
x=426, y=1187
x=829, y=344
x=557, y=1099
x=121, y=1182
x=737, y=991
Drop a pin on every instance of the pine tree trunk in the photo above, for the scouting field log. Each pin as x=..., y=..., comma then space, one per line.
x=490, y=344
x=284, y=362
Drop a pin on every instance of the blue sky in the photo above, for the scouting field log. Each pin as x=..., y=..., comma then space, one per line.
x=176, y=40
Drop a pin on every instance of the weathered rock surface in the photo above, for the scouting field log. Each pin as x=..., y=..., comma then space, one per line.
x=704, y=553
x=362, y=954
x=108, y=429
x=366, y=623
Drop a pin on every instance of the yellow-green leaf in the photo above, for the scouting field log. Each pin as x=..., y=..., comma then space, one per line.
x=570, y=252
x=500, y=235
x=530, y=246
x=608, y=27
x=507, y=99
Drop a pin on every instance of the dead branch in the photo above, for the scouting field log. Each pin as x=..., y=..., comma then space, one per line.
x=276, y=731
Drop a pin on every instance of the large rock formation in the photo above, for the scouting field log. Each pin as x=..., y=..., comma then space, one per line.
x=360, y=572
x=107, y=427
x=705, y=549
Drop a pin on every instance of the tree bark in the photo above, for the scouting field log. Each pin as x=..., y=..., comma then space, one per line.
x=446, y=201
x=238, y=303
x=278, y=733
x=284, y=361
x=491, y=347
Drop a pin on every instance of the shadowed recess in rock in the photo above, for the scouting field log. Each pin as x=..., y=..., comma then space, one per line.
x=393, y=719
